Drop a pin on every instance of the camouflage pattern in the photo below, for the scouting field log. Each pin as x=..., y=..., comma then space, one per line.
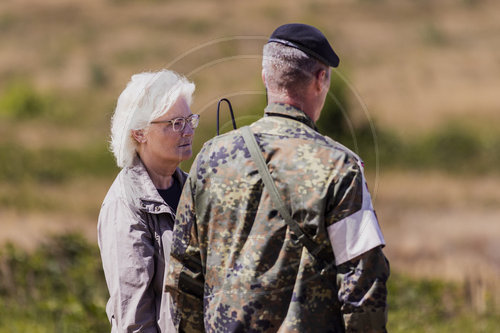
x=252, y=273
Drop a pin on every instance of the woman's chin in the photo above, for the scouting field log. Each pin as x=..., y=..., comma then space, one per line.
x=185, y=153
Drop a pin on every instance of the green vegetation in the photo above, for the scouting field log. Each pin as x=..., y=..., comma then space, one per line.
x=20, y=100
x=57, y=288
x=54, y=165
x=60, y=287
x=455, y=147
x=433, y=35
x=435, y=306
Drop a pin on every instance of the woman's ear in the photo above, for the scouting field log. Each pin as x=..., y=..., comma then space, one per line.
x=139, y=135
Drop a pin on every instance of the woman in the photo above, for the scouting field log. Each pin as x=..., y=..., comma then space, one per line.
x=151, y=133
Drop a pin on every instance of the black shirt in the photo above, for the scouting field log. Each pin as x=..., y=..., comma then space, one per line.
x=172, y=194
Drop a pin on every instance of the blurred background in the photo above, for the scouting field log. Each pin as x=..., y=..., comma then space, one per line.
x=416, y=95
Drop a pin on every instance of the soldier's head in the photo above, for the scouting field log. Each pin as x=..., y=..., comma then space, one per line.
x=295, y=67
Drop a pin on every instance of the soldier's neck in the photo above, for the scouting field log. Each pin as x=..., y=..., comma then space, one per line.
x=300, y=103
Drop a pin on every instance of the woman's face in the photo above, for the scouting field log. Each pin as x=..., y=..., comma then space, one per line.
x=163, y=144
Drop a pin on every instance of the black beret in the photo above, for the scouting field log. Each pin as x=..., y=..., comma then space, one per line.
x=307, y=39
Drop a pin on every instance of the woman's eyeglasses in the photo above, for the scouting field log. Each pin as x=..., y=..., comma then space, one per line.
x=178, y=124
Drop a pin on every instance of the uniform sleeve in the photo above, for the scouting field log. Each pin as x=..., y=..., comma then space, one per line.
x=127, y=252
x=357, y=241
x=363, y=292
x=185, y=278
x=351, y=222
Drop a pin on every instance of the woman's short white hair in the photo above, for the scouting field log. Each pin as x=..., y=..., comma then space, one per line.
x=146, y=97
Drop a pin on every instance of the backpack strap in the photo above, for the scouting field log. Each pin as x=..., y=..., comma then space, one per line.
x=257, y=157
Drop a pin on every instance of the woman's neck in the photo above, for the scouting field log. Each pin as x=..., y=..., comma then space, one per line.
x=161, y=174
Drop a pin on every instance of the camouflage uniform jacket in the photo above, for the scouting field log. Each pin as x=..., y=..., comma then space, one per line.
x=236, y=263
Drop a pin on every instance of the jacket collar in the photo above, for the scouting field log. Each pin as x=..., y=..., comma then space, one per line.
x=289, y=111
x=149, y=198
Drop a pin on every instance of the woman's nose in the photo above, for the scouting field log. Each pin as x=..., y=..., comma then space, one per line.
x=188, y=130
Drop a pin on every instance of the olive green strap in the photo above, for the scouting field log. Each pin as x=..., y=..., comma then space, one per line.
x=254, y=149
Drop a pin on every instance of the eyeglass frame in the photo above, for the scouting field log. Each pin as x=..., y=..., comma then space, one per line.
x=185, y=120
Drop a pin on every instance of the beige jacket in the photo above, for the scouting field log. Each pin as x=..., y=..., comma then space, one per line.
x=134, y=236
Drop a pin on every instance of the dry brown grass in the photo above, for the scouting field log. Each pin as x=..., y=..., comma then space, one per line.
x=414, y=64
x=439, y=226
x=70, y=207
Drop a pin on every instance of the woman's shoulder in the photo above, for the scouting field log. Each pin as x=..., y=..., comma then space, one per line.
x=117, y=211
x=122, y=194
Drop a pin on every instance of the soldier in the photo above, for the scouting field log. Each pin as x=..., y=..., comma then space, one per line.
x=237, y=263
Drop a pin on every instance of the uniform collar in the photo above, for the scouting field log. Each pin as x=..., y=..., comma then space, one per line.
x=289, y=111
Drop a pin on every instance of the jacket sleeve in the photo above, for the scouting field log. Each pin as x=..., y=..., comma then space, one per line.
x=363, y=293
x=357, y=241
x=127, y=252
x=185, y=280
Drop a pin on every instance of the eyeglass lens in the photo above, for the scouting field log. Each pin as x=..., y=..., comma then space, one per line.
x=179, y=123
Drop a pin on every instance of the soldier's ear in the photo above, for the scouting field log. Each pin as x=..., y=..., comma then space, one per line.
x=321, y=78
x=139, y=135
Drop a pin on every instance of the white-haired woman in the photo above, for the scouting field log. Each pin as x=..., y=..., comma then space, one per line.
x=151, y=133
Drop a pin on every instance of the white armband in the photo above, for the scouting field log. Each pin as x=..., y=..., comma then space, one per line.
x=356, y=233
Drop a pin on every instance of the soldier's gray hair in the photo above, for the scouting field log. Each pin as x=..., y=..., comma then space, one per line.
x=287, y=69
x=147, y=96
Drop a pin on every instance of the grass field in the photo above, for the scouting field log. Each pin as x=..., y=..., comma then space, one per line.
x=418, y=83
x=59, y=287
